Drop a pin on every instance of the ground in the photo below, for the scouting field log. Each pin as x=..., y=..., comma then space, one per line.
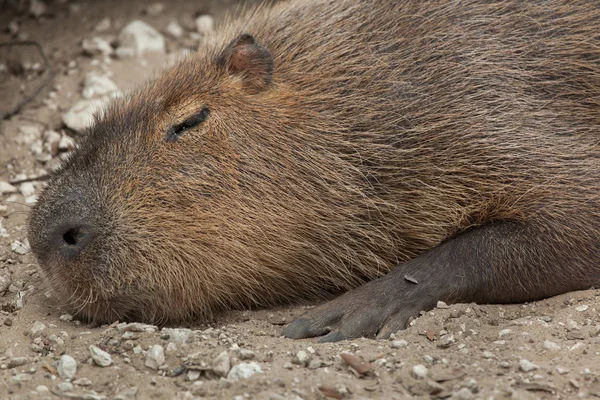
x=549, y=349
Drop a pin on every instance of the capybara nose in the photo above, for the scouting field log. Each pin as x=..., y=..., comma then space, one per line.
x=71, y=238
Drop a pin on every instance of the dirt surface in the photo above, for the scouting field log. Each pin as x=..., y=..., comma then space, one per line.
x=548, y=349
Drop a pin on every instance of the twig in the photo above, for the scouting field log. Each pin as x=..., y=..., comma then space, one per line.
x=31, y=179
x=49, y=76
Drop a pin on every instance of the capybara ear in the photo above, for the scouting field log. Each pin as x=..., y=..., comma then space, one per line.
x=246, y=58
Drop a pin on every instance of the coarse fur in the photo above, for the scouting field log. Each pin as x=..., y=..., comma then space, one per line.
x=386, y=129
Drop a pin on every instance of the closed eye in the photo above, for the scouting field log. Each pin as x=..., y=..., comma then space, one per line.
x=174, y=131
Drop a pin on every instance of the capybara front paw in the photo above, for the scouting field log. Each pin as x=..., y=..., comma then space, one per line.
x=369, y=311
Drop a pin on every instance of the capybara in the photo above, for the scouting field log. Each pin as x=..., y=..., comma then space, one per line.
x=413, y=151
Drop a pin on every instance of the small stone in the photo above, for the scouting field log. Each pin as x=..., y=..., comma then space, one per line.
x=244, y=371
x=66, y=317
x=551, y=346
x=27, y=189
x=37, y=8
x=100, y=357
x=22, y=378
x=7, y=188
x=204, y=24
x=193, y=375
x=462, y=394
x=245, y=354
x=41, y=389
x=174, y=29
x=315, y=364
x=442, y=305
x=81, y=115
x=178, y=335
x=527, y=366
x=221, y=364
x=138, y=37
x=155, y=357
x=19, y=247
x=51, y=141
x=67, y=367
x=420, y=371
x=504, y=332
x=562, y=370
x=96, y=46
x=17, y=362
x=96, y=84
x=288, y=365
x=82, y=382
x=65, y=386
x=356, y=363
x=582, y=308
x=5, y=280
x=302, y=358
x=155, y=9
x=103, y=25
x=37, y=329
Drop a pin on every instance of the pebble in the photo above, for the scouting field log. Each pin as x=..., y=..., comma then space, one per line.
x=127, y=394
x=7, y=188
x=18, y=247
x=22, y=377
x=66, y=143
x=221, y=364
x=442, y=305
x=37, y=8
x=37, y=329
x=462, y=394
x=174, y=29
x=81, y=115
x=65, y=386
x=100, y=357
x=67, y=367
x=244, y=371
x=17, y=362
x=96, y=84
x=420, y=371
x=548, y=345
x=527, y=366
x=137, y=38
x=41, y=389
x=178, y=335
x=302, y=358
x=245, y=354
x=27, y=189
x=193, y=375
x=504, y=332
x=96, y=46
x=82, y=382
x=66, y=317
x=5, y=280
x=103, y=25
x=29, y=134
x=155, y=357
x=204, y=24
x=51, y=140
x=582, y=308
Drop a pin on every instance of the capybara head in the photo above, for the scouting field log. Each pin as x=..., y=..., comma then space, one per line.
x=189, y=196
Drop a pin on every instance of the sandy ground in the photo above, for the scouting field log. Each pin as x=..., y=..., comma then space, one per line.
x=548, y=349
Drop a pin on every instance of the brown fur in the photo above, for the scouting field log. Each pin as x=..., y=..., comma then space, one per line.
x=388, y=127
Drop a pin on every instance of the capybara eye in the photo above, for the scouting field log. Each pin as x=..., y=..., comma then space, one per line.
x=174, y=131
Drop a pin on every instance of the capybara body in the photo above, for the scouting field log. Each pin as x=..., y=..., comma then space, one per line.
x=310, y=147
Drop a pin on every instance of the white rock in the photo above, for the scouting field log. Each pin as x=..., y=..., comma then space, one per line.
x=27, y=189
x=551, y=346
x=193, y=375
x=527, y=366
x=582, y=308
x=302, y=358
x=5, y=280
x=398, y=344
x=41, y=389
x=19, y=247
x=441, y=305
x=504, y=332
x=100, y=357
x=96, y=84
x=221, y=364
x=96, y=46
x=244, y=371
x=178, y=335
x=7, y=188
x=83, y=382
x=51, y=141
x=155, y=357
x=67, y=367
x=462, y=394
x=205, y=24
x=420, y=371
x=37, y=329
x=137, y=38
x=28, y=134
x=66, y=317
x=37, y=8
x=174, y=29
x=65, y=386
x=103, y=25
x=81, y=116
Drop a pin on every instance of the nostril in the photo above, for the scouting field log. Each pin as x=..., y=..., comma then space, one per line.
x=74, y=236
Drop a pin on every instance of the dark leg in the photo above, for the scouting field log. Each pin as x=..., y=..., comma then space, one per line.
x=503, y=262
